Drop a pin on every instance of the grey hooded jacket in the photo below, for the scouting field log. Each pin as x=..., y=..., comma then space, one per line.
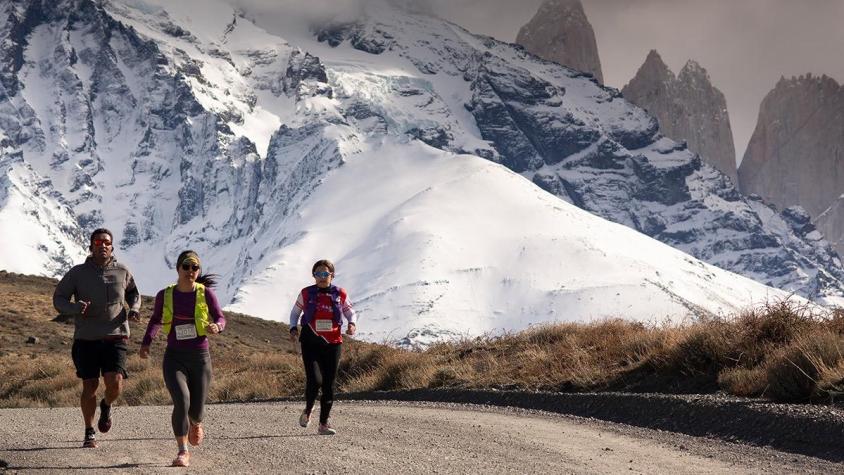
x=107, y=288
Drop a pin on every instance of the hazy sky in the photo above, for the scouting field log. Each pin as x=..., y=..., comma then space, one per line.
x=746, y=45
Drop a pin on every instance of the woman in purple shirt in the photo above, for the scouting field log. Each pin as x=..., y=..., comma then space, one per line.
x=187, y=311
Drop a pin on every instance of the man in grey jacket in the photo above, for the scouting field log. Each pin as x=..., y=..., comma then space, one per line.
x=101, y=289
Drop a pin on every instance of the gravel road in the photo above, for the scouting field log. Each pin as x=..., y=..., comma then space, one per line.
x=378, y=437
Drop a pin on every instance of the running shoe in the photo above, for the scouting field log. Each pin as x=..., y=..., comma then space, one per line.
x=182, y=460
x=90, y=441
x=196, y=434
x=326, y=429
x=304, y=419
x=104, y=424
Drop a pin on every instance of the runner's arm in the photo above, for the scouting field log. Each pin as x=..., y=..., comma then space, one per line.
x=346, y=309
x=64, y=291
x=154, y=325
x=214, y=308
x=132, y=295
x=296, y=312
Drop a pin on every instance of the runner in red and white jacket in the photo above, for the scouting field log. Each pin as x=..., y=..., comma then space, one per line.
x=322, y=308
x=318, y=309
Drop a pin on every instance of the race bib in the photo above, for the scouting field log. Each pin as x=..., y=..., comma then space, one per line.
x=324, y=325
x=185, y=332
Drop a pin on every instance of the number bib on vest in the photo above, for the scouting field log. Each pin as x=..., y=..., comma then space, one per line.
x=186, y=332
x=323, y=325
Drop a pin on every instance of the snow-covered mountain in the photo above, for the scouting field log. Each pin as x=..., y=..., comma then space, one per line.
x=460, y=246
x=186, y=125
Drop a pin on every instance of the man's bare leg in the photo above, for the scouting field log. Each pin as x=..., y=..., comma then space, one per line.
x=113, y=386
x=88, y=400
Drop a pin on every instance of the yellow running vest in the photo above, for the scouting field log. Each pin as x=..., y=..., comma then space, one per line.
x=200, y=310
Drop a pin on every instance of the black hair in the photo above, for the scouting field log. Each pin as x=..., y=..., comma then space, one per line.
x=323, y=262
x=102, y=231
x=208, y=280
x=99, y=231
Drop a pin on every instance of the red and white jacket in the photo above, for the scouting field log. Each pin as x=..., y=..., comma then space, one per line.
x=323, y=310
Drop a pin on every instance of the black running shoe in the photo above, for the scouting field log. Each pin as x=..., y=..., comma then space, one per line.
x=90, y=441
x=104, y=424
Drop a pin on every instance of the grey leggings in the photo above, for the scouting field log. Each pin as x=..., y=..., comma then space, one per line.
x=187, y=374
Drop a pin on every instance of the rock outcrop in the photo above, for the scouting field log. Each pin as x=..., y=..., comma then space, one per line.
x=560, y=32
x=796, y=152
x=689, y=108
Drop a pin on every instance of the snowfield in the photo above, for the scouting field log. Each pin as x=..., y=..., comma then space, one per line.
x=460, y=246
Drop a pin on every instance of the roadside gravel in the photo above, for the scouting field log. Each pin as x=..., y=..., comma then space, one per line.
x=807, y=429
x=379, y=437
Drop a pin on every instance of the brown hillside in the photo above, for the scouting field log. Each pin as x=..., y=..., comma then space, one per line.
x=252, y=359
x=781, y=352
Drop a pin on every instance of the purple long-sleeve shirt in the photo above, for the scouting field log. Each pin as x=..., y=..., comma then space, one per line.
x=183, y=312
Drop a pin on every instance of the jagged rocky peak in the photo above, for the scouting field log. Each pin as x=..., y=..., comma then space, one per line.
x=560, y=32
x=689, y=108
x=652, y=86
x=796, y=152
x=654, y=70
x=693, y=71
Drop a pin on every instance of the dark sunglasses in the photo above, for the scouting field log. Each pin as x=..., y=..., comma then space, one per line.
x=100, y=242
x=190, y=267
x=322, y=275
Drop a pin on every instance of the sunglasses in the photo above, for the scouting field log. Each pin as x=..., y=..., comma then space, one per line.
x=101, y=242
x=190, y=267
x=322, y=275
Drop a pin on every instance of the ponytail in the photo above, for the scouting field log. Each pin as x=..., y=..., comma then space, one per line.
x=208, y=280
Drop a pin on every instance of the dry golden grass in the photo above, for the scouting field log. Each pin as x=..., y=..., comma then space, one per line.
x=746, y=382
x=782, y=351
x=253, y=359
x=795, y=372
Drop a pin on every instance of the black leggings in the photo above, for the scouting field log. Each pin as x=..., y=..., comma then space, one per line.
x=187, y=374
x=321, y=362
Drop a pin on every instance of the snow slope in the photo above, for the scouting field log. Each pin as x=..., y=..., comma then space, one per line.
x=461, y=246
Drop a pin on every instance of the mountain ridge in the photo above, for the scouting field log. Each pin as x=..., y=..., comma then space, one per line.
x=197, y=175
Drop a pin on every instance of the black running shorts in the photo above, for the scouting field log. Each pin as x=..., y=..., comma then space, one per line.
x=97, y=357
